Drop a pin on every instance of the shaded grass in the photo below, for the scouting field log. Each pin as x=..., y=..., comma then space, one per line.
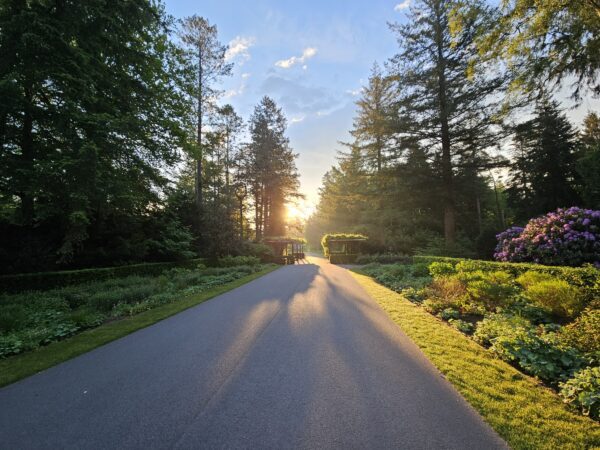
x=525, y=413
x=20, y=366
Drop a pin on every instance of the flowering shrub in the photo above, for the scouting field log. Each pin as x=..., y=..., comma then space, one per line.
x=564, y=237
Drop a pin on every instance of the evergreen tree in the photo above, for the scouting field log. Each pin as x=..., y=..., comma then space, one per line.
x=544, y=174
x=273, y=173
x=588, y=163
x=206, y=55
x=443, y=106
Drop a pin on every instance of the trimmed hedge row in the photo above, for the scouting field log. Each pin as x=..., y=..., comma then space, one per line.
x=47, y=280
x=342, y=259
x=587, y=277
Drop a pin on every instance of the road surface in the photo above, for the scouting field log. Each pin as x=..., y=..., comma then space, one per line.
x=300, y=358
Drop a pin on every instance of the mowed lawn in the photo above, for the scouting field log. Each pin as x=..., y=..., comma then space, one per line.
x=525, y=413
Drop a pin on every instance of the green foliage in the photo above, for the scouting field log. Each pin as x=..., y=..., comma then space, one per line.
x=342, y=259
x=438, y=269
x=449, y=313
x=495, y=325
x=32, y=319
x=541, y=355
x=233, y=261
x=558, y=296
x=492, y=289
x=461, y=325
x=383, y=258
x=257, y=249
x=544, y=43
x=586, y=278
x=583, y=392
x=327, y=238
x=45, y=280
x=584, y=332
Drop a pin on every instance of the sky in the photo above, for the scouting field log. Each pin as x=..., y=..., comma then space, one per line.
x=311, y=57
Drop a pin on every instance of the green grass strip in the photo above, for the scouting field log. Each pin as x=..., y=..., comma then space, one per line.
x=20, y=366
x=525, y=413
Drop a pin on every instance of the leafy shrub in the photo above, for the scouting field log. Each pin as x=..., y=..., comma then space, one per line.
x=233, y=261
x=569, y=237
x=584, y=332
x=461, y=325
x=586, y=278
x=31, y=319
x=13, y=317
x=420, y=270
x=258, y=250
x=48, y=280
x=440, y=269
x=448, y=289
x=557, y=296
x=583, y=392
x=384, y=258
x=492, y=289
x=86, y=318
x=496, y=325
x=449, y=313
x=434, y=306
x=541, y=355
x=532, y=277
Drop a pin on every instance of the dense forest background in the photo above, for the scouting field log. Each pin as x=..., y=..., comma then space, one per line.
x=114, y=147
x=460, y=136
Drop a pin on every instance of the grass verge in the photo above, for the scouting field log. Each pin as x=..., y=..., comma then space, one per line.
x=20, y=366
x=524, y=412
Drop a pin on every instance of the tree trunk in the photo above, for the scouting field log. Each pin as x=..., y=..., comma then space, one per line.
x=27, y=159
x=447, y=176
x=198, y=184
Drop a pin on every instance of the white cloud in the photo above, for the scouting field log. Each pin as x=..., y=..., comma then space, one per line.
x=246, y=75
x=238, y=47
x=298, y=119
x=235, y=92
x=400, y=6
x=354, y=92
x=308, y=53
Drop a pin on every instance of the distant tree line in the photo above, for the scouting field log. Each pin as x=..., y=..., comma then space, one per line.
x=113, y=146
x=440, y=159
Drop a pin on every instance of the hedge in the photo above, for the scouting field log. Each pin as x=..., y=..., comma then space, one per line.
x=339, y=258
x=47, y=280
x=587, y=277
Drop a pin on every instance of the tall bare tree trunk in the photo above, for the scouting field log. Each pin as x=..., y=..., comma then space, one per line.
x=447, y=176
x=198, y=181
x=27, y=156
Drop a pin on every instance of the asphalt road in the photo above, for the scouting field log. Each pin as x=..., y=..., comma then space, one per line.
x=300, y=358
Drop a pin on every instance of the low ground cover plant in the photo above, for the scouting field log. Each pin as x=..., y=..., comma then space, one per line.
x=32, y=319
x=544, y=322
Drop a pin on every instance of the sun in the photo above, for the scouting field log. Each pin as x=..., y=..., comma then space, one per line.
x=301, y=210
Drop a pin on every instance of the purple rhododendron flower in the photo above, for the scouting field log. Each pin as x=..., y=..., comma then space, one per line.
x=568, y=236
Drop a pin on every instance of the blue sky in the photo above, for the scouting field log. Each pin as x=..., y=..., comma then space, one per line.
x=312, y=57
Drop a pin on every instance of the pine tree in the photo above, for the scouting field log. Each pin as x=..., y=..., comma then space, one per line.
x=588, y=162
x=274, y=177
x=441, y=104
x=207, y=57
x=543, y=176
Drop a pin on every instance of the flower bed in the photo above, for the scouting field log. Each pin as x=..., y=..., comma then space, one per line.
x=543, y=320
